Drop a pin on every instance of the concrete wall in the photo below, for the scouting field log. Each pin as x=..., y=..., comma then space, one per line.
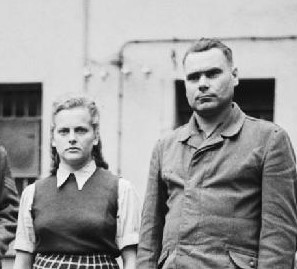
x=115, y=21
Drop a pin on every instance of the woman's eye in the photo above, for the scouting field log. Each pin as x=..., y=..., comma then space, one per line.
x=81, y=130
x=63, y=131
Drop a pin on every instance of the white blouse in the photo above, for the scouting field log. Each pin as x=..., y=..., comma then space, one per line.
x=128, y=215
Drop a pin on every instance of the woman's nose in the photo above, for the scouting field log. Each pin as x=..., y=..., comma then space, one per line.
x=72, y=137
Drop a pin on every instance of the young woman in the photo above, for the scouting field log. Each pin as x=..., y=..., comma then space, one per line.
x=82, y=216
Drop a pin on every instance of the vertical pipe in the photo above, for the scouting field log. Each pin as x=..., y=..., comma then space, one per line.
x=86, y=9
x=120, y=112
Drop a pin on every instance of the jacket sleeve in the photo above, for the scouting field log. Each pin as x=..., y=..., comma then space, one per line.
x=9, y=203
x=277, y=244
x=153, y=215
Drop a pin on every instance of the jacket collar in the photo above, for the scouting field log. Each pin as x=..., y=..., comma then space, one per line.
x=230, y=127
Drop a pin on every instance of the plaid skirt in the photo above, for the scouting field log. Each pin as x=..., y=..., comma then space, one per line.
x=61, y=261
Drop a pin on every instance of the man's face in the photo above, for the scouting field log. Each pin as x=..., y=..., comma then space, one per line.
x=210, y=81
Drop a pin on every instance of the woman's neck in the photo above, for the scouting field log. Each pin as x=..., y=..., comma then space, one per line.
x=73, y=167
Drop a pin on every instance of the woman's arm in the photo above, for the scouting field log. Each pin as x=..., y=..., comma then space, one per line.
x=128, y=256
x=23, y=260
x=128, y=222
x=25, y=236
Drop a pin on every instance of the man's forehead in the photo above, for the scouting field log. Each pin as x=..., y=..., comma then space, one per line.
x=210, y=59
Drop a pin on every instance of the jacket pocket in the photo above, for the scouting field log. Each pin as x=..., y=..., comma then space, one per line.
x=243, y=260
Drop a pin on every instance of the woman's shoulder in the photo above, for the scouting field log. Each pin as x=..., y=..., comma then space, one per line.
x=28, y=194
x=106, y=173
x=46, y=180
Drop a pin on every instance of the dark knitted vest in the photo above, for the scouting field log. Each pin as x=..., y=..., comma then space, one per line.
x=72, y=221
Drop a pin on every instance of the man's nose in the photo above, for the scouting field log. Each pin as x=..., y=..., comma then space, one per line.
x=203, y=83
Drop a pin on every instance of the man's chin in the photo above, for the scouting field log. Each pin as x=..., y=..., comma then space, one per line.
x=205, y=109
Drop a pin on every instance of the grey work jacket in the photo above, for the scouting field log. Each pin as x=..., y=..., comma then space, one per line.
x=228, y=202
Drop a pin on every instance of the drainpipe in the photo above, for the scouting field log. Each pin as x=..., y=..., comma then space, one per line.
x=86, y=69
x=121, y=59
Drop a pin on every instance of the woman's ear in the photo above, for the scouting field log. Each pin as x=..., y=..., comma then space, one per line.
x=53, y=143
x=96, y=138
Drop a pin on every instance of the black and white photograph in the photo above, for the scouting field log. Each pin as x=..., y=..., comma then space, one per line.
x=141, y=134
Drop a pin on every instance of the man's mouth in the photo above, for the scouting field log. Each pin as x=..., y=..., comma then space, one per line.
x=204, y=97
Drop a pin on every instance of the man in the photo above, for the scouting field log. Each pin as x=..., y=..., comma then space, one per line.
x=8, y=204
x=221, y=191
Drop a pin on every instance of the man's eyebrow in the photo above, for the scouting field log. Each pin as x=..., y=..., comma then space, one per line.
x=197, y=74
x=213, y=70
x=194, y=75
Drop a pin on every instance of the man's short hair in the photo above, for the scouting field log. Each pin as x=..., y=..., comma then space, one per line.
x=205, y=44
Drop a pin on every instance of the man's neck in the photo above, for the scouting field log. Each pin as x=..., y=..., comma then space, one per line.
x=210, y=122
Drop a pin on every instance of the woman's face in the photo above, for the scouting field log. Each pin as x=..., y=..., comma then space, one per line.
x=74, y=137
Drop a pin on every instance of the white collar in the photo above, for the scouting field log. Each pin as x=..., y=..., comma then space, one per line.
x=82, y=175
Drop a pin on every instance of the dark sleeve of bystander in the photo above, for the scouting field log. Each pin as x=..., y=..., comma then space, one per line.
x=9, y=203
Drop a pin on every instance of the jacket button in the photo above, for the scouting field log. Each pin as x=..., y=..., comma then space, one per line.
x=252, y=264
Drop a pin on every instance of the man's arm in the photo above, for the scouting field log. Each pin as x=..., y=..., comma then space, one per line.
x=9, y=203
x=153, y=216
x=279, y=217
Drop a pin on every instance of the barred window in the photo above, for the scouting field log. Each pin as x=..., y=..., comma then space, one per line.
x=20, y=100
x=20, y=129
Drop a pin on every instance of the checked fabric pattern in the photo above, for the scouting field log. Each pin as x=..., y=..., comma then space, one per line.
x=58, y=261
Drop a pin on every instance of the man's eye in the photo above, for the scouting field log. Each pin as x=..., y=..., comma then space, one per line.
x=193, y=77
x=213, y=73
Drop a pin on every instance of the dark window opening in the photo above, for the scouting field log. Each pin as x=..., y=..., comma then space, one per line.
x=20, y=100
x=256, y=97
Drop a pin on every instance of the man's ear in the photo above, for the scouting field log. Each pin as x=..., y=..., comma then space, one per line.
x=235, y=76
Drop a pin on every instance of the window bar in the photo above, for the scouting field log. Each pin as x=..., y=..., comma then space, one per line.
x=26, y=107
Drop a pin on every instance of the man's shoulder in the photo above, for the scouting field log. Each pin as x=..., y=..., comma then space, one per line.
x=262, y=125
x=263, y=130
x=171, y=138
x=176, y=134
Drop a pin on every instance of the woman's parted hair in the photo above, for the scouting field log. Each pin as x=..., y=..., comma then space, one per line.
x=70, y=101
